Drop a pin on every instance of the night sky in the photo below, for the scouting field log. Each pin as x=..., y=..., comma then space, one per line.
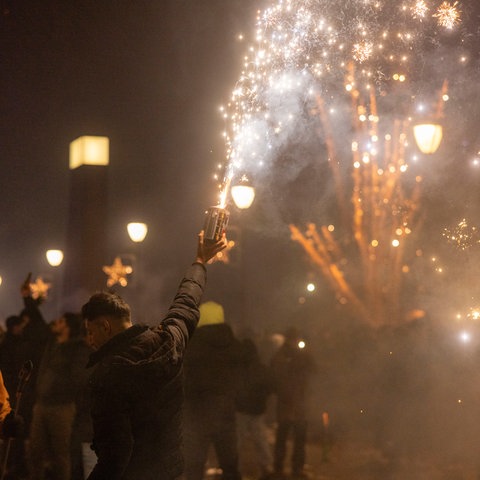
x=151, y=75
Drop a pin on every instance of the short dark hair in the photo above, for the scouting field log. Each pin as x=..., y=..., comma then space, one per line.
x=106, y=304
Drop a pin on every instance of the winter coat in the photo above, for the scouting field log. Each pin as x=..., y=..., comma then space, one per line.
x=255, y=383
x=212, y=367
x=62, y=375
x=291, y=368
x=137, y=392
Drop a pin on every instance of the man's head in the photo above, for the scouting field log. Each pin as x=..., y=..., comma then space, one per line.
x=69, y=325
x=106, y=315
x=15, y=324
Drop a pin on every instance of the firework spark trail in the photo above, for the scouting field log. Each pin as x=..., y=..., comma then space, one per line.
x=302, y=47
x=462, y=236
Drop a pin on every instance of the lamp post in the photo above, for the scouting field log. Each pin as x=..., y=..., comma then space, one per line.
x=55, y=259
x=428, y=137
x=137, y=231
x=243, y=196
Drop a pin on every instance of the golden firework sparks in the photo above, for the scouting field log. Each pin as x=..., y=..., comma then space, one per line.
x=448, y=15
x=297, y=46
x=420, y=9
x=362, y=51
x=462, y=236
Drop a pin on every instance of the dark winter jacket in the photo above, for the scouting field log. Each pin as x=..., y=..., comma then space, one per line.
x=292, y=369
x=137, y=392
x=62, y=373
x=212, y=367
x=255, y=383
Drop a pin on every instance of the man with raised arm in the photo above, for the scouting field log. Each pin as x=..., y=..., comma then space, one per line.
x=137, y=391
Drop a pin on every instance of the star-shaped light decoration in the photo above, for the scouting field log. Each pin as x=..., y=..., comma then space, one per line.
x=117, y=272
x=39, y=289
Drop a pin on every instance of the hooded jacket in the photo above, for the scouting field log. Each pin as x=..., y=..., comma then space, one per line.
x=137, y=392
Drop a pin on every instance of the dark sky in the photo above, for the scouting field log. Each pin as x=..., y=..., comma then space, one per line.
x=150, y=75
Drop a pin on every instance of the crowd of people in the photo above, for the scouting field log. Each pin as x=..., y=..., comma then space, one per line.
x=107, y=398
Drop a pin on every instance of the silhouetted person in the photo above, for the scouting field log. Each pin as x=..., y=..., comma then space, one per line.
x=292, y=368
x=137, y=389
x=61, y=378
x=13, y=354
x=212, y=367
x=255, y=386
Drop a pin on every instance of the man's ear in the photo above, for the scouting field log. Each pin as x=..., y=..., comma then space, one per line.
x=107, y=325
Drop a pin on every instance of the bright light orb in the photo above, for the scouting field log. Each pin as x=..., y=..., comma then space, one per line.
x=54, y=257
x=428, y=137
x=465, y=337
x=137, y=231
x=301, y=344
x=311, y=287
x=243, y=196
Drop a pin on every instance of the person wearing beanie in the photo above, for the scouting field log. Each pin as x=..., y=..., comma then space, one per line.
x=212, y=367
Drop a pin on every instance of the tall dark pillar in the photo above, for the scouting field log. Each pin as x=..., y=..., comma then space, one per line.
x=86, y=248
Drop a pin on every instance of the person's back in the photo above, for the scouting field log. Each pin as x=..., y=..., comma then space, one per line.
x=212, y=367
x=292, y=368
x=136, y=376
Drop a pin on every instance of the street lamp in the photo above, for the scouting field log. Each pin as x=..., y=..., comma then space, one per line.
x=243, y=196
x=428, y=137
x=54, y=257
x=137, y=231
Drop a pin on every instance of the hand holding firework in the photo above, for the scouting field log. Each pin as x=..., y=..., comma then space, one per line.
x=206, y=250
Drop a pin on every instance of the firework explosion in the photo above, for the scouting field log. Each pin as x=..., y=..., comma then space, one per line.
x=303, y=47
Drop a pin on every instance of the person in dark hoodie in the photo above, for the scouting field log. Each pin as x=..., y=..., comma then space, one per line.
x=212, y=368
x=136, y=384
x=61, y=377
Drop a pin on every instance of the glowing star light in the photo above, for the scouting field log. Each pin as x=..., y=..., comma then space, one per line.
x=40, y=289
x=117, y=273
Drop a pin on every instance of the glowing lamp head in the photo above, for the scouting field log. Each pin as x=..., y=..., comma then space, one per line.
x=54, y=257
x=243, y=196
x=428, y=137
x=89, y=150
x=137, y=231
